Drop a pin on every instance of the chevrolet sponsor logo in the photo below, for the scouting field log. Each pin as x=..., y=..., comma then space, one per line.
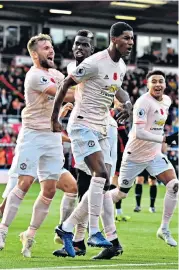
x=160, y=122
x=111, y=88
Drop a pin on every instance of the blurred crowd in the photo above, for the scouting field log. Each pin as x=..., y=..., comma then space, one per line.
x=12, y=103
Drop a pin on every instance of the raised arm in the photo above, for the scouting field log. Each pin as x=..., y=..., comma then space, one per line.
x=86, y=70
x=59, y=97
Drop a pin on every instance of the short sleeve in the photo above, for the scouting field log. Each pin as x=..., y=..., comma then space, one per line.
x=86, y=70
x=140, y=112
x=167, y=101
x=123, y=70
x=71, y=67
x=39, y=82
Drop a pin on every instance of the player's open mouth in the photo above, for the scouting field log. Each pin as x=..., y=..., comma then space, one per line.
x=79, y=54
x=50, y=58
x=129, y=50
x=158, y=90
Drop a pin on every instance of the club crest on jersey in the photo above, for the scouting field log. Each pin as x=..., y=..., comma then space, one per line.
x=80, y=71
x=44, y=80
x=141, y=113
x=115, y=76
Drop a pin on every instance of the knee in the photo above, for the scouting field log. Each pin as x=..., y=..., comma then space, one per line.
x=172, y=187
x=102, y=172
x=68, y=188
x=72, y=189
x=152, y=182
x=48, y=192
x=140, y=180
x=25, y=182
x=118, y=195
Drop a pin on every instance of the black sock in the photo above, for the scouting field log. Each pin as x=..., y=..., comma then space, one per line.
x=83, y=183
x=112, y=187
x=118, y=204
x=115, y=242
x=79, y=244
x=153, y=195
x=138, y=193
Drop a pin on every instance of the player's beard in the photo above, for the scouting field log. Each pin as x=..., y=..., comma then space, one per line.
x=44, y=63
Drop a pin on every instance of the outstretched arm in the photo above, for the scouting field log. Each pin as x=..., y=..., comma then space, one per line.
x=59, y=97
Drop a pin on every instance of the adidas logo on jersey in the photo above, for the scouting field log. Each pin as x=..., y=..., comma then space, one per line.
x=106, y=77
x=156, y=111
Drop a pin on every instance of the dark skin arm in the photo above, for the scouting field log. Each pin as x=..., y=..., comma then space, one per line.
x=59, y=97
x=65, y=138
x=126, y=110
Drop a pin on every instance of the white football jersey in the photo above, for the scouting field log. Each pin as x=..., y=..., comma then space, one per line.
x=98, y=78
x=39, y=105
x=153, y=114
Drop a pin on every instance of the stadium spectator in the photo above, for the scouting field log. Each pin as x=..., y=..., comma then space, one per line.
x=16, y=107
x=4, y=101
x=2, y=158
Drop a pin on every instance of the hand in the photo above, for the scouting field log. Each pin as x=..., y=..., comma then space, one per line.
x=122, y=116
x=125, y=112
x=172, y=138
x=55, y=126
x=65, y=109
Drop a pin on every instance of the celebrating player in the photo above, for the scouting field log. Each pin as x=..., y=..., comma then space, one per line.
x=99, y=79
x=144, y=149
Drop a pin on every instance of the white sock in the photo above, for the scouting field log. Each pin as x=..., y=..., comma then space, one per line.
x=12, y=205
x=170, y=202
x=95, y=202
x=67, y=206
x=107, y=216
x=119, y=211
x=77, y=215
x=40, y=211
x=81, y=230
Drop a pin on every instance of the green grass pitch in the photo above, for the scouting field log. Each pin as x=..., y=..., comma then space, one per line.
x=142, y=250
